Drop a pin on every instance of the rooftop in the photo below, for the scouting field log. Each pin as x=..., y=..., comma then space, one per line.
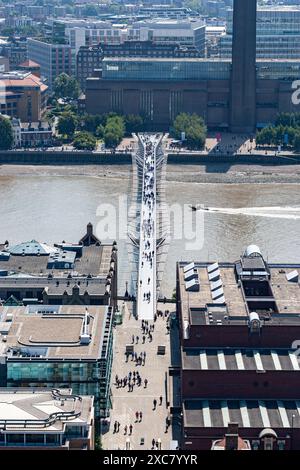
x=240, y=359
x=95, y=260
x=52, y=332
x=226, y=293
x=24, y=79
x=273, y=414
x=35, y=409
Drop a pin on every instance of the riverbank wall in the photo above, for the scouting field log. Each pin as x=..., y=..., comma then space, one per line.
x=118, y=158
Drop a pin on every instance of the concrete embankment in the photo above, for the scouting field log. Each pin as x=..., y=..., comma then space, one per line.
x=118, y=158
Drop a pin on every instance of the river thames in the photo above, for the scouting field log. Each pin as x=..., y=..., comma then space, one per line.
x=55, y=208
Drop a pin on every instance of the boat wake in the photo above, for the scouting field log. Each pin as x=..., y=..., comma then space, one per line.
x=279, y=212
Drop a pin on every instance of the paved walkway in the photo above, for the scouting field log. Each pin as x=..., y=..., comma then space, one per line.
x=125, y=403
x=147, y=291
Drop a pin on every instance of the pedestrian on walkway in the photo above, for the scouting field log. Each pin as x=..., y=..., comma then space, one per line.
x=125, y=430
x=160, y=400
x=141, y=416
x=132, y=339
x=154, y=404
x=137, y=340
x=145, y=383
x=153, y=443
x=144, y=338
x=115, y=426
x=130, y=429
x=137, y=416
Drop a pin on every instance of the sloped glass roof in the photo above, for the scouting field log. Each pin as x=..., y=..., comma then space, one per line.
x=31, y=248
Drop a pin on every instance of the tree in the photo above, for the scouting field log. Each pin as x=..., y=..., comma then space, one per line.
x=6, y=134
x=85, y=141
x=194, y=128
x=114, y=131
x=297, y=142
x=133, y=123
x=100, y=131
x=67, y=124
x=112, y=137
x=266, y=136
x=66, y=87
x=90, y=122
x=90, y=10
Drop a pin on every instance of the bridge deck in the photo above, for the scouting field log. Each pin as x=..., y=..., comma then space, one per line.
x=147, y=291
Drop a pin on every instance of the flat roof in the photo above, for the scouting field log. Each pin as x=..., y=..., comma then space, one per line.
x=240, y=359
x=95, y=260
x=40, y=332
x=201, y=308
x=275, y=414
x=36, y=409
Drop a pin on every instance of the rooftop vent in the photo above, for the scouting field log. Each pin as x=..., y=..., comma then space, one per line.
x=85, y=337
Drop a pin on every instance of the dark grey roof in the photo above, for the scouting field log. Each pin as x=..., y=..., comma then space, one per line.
x=247, y=413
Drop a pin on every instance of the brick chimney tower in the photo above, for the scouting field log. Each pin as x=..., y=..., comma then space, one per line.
x=243, y=73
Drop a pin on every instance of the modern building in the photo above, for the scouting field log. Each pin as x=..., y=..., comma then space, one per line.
x=278, y=33
x=43, y=419
x=89, y=58
x=15, y=50
x=58, y=347
x=53, y=58
x=23, y=95
x=63, y=274
x=239, y=360
x=186, y=31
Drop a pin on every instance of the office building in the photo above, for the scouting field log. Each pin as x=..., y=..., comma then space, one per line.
x=41, y=419
x=53, y=59
x=58, y=347
x=278, y=33
x=78, y=32
x=15, y=50
x=63, y=274
x=239, y=364
x=23, y=95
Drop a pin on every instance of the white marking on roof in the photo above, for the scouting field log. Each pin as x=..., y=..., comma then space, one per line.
x=188, y=267
x=217, y=293
x=215, y=285
x=294, y=360
x=264, y=414
x=225, y=413
x=206, y=414
x=283, y=414
x=244, y=414
x=239, y=360
x=203, y=360
x=276, y=360
x=212, y=267
x=221, y=360
x=258, y=361
x=214, y=275
x=298, y=407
